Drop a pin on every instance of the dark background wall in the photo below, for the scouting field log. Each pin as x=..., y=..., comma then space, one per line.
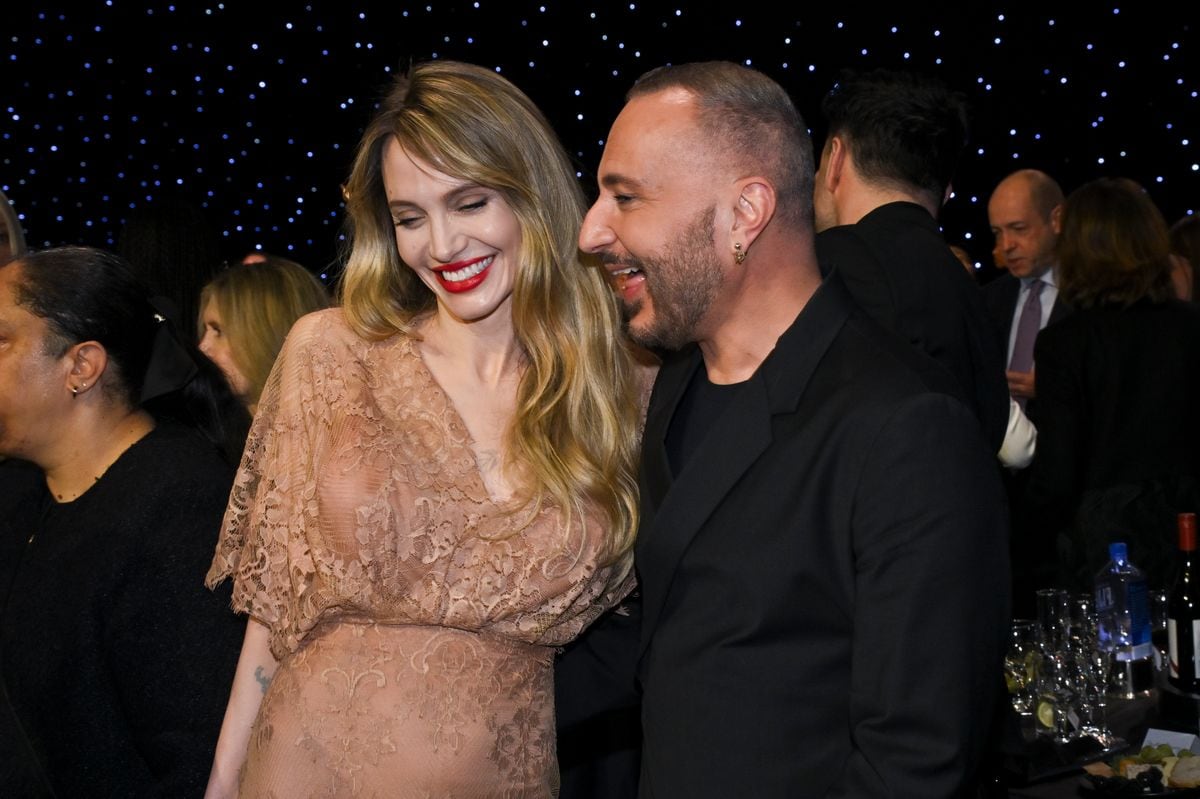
x=254, y=108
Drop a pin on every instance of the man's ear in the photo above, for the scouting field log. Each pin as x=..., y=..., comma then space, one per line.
x=833, y=163
x=89, y=361
x=1056, y=219
x=755, y=207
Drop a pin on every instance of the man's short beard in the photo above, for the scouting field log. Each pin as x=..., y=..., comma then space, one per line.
x=682, y=282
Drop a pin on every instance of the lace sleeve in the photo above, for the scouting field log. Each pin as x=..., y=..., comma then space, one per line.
x=264, y=543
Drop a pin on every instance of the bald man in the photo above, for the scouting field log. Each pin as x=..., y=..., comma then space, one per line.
x=1025, y=213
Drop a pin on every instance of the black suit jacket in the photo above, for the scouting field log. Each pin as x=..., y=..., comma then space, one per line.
x=1118, y=437
x=1033, y=551
x=1000, y=299
x=824, y=584
x=900, y=271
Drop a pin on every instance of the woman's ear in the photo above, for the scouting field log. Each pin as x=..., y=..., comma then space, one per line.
x=89, y=361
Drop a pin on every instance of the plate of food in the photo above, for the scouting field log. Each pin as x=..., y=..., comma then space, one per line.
x=1154, y=771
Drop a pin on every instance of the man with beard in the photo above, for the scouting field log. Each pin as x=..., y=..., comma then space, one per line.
x=822, y=554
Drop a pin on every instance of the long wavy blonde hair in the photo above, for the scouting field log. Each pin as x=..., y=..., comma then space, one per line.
x=575, y=433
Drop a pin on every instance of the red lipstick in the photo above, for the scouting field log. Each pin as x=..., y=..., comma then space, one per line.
x=473, y=279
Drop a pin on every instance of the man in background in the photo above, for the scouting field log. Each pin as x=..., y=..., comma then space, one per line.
x=894, y=140
x=1025, y=212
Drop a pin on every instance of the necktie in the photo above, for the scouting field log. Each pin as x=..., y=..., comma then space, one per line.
x=1027, y=329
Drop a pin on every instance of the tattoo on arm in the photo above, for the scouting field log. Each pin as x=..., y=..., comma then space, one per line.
x=262, y=680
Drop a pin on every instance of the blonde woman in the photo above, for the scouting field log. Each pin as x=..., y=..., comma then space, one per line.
x=245, y=314
x=439, y=488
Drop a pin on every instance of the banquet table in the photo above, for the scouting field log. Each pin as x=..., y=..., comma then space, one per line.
x=1128, y=718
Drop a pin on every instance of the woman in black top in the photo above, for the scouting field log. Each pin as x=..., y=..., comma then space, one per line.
x=1116, y=386
x=114, y=657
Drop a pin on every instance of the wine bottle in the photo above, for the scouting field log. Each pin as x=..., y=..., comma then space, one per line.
x=1183, y=612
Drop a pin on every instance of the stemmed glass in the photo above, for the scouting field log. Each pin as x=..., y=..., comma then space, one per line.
x=1057, y=693
x=1054, y=611
x=1020, y=665
x=1094, y=663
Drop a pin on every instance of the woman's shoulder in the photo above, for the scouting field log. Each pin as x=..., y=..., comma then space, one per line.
x=322, y=336
x=319, y=325
x=328, y=329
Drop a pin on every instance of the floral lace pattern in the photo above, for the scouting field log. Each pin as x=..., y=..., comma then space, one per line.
x=414, y=616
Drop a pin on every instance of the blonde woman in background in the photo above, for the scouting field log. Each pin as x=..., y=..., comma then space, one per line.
x=440, y=486
x=12, y=238
x=246, y=312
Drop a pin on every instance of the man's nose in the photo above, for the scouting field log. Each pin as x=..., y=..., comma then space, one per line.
x=595, y=234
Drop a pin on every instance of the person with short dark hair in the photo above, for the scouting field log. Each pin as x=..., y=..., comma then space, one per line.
x=822, y=558
x=894, y=140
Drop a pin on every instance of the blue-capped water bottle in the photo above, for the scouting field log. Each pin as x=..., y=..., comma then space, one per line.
x=1123, y=612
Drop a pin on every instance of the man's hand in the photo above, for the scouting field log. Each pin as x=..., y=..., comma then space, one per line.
x=1020, y=384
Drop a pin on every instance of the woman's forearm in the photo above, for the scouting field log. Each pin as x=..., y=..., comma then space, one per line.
x=256, y=666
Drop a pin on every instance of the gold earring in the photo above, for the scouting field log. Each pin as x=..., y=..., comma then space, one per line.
x=738, y=254
x=74, y=391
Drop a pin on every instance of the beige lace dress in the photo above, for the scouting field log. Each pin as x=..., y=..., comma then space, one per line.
x=414, y=617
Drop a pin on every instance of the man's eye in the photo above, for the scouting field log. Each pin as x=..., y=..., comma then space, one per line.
x=621, y=199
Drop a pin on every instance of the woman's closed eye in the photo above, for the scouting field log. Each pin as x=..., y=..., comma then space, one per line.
x=474, y=205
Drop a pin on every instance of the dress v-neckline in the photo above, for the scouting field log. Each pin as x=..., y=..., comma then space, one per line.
x=471, y=443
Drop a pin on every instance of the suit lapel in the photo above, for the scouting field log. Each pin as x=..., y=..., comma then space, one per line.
x=674, y=512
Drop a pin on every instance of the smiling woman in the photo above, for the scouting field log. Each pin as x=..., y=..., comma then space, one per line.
x=439, y=487
x=461, y=239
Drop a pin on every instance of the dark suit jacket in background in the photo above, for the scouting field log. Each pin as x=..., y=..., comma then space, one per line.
x=900, y=271
x=1000, y=299
x=1033, y=565
x=1118, y=437
x=825, y=583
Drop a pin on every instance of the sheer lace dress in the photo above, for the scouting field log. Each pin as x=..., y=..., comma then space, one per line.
x=414, y=616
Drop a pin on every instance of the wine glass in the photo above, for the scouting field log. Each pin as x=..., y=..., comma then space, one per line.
x=1095, y=673
x=1058, y=683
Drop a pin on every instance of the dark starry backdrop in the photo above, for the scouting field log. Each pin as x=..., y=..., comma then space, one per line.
x=253, y=109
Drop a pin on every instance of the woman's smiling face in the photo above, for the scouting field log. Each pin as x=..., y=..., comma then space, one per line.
x=461, y=239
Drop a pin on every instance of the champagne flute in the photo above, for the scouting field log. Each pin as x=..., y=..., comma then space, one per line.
x=1054, y=611
x=1020, y=665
